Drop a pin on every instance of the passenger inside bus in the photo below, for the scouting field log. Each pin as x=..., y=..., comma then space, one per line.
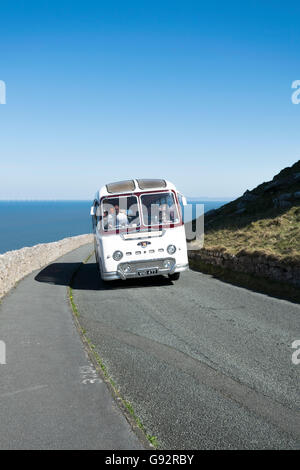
x=120, y=213
x=111, y=218
x=122, y=219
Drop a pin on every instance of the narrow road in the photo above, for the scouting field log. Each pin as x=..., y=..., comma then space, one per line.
x=205, y=364
x=50, y=394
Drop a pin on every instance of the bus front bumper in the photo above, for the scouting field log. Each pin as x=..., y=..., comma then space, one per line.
x=147, y=268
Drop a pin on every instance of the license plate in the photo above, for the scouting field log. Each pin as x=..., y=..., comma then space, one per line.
x=147, y=272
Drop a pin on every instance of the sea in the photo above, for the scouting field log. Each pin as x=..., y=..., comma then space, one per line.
x=27, y=223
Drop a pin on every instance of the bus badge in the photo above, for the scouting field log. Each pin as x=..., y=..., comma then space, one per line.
x=144, y=244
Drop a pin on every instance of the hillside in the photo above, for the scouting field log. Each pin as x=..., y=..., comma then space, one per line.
x=265, y=219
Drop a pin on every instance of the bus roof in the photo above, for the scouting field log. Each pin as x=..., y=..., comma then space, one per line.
x=134, y=186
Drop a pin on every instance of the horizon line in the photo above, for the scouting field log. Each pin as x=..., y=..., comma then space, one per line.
x=195, y=198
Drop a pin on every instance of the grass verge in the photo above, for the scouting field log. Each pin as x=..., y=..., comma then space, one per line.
x=272, y=232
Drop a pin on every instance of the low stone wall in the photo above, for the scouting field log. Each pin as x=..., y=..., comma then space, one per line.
x=14, y=265
x=257, y=264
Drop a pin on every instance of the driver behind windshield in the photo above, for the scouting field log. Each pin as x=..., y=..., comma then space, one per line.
x=120, y=213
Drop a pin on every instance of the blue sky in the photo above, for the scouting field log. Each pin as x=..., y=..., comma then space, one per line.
x=198, y=93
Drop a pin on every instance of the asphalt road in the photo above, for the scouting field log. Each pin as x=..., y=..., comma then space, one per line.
x=206, y=365
x=50, y=394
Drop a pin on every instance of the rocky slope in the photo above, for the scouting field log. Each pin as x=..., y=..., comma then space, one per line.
x=266, y=218
x=268, y=199
x=258, y=233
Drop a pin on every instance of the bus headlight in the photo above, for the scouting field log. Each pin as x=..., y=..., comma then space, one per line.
x=171, y=249
x=117, y=255
x=126, y=268
x=168, y=264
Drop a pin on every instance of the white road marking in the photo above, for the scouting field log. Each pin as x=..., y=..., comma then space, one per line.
x=29, y=389
x=89, y=375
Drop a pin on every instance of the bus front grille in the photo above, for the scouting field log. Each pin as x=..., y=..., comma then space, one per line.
x=132, y=268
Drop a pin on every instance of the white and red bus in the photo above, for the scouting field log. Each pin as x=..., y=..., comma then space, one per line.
x=139, y=230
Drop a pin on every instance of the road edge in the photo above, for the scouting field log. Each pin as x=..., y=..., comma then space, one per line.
x=148, y=441
x=259, y=284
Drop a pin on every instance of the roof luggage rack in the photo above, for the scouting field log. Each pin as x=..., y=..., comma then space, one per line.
x=121, y=186
x=151, y=184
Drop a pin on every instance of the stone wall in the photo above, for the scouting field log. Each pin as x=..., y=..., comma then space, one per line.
x=257, y=264
x=14, y=265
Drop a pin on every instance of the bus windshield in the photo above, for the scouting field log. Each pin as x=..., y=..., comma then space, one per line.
x=159, y=208
x=120, y=212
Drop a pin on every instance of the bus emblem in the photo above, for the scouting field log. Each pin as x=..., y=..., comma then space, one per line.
x=144, y=244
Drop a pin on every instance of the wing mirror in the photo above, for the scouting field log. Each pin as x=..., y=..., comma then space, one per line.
x=95, y=211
